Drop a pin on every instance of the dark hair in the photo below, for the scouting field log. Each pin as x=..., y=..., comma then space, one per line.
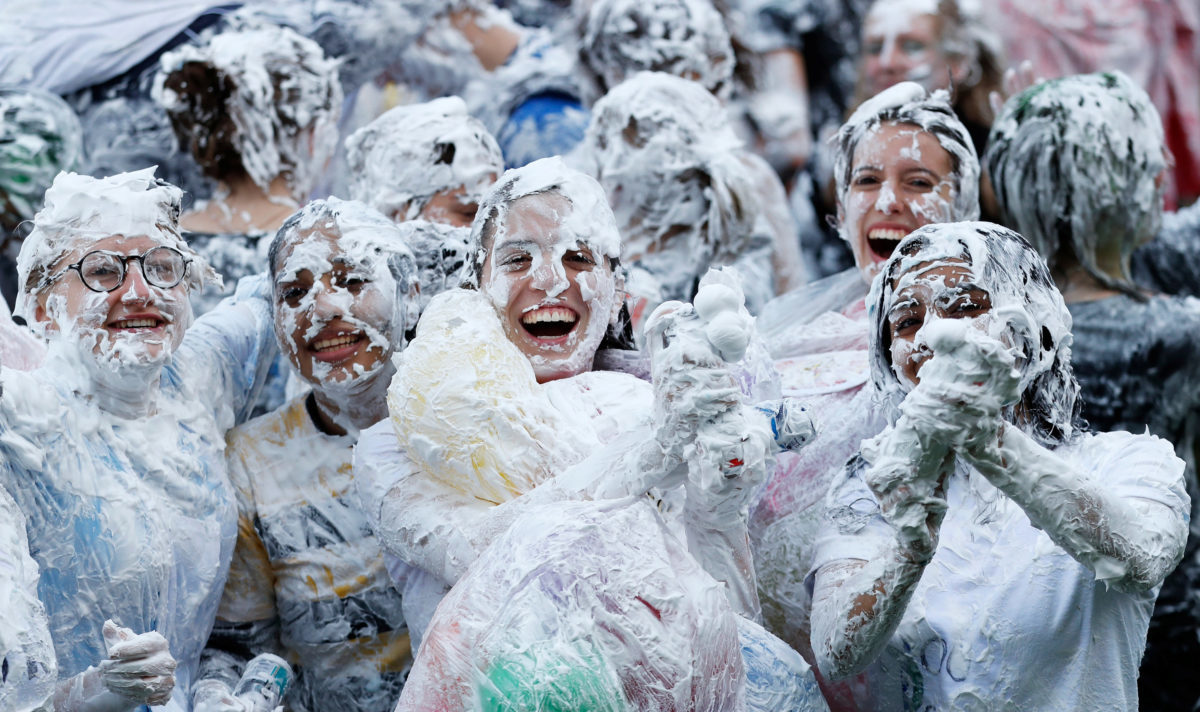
x=202, y=124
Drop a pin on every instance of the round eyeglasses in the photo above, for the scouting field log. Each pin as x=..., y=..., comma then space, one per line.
x=101, y=271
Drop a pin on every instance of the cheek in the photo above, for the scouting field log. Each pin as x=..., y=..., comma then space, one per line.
x=936, y=207
x=375, y=309
x=289, y=330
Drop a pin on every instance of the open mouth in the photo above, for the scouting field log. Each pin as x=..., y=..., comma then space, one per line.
x=335, y=347
x=550, y=322
x=883, y=241
x=136, y=324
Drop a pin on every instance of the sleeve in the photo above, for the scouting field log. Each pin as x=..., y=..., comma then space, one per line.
x=247, y=623
x=233, y=345
x=855, y=528
x=26, y=652
x=421, y=522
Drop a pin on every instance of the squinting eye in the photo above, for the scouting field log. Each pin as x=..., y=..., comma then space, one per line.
x=517, y=261
x=905, y=324
x=865, y=181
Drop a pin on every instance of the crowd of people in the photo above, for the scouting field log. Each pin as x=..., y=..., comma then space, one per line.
x=709, y=355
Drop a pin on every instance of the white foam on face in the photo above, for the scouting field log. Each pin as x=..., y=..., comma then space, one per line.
x=892, y=18
x=1027, y=312
x=399, y=161
x=129, y=214
x=354, y=249
x=686, y=38
x=566, y=211
x=285, y=103
x=908, y=103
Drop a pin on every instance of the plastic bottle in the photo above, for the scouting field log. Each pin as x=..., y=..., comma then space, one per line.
x=264, y=683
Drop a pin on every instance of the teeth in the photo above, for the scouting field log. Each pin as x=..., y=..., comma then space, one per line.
x=549, y=314
x=325, y=344
x=886, y=234
x=134, y=323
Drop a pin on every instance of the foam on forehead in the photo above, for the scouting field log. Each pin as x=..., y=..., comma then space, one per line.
x=413, y=152
x=682, y=37
x=589, y=219
x=282, y=85
x=909, y=103
x=1023, y=296
x=364, y=237
x=896, y=14
x=80, y=210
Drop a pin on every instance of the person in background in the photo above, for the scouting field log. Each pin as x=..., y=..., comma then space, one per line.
x=1079, y=167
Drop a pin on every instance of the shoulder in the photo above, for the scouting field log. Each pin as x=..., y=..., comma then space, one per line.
x=273, y=429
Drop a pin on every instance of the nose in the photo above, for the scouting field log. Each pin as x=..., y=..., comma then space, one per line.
x=134, y=289
x=326, y=303
x=550, y=278
x=887, y=203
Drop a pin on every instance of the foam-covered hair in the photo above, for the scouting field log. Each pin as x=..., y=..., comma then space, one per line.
x=1075, y=164
x=362, y=231
x=660, y=142
x=686, y=38
x=590, y=219
x=265, y=101
x=410, y=153
x=39, y=137
x=909, y=103
x=1015, y=276
x=80, y=210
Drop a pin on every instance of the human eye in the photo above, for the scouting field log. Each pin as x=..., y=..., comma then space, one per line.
x=969, y=304
x=865, y=181
x=515, y=261
x=912, y=46
x=580, y=258
x=905, y=323
x=874, y=47
x=292, y=292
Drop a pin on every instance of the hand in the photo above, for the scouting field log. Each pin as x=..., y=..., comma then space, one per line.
x=215, y=696
x=1016, y=80
x=907, y=474
x=965, y=386
x=139, y=667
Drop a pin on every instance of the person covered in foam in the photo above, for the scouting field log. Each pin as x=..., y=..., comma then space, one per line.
x=113, y=447
x=432, y=161
x=1078, y=165
x=257, y=109
x=903, y=161
x=343, y=291
x=687, y=194
x=984, y=550
x=499, y=417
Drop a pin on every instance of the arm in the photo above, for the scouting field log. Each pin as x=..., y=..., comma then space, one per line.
x=247, y=623
x=1131, y=542
x=858, y=602
x=26, y=646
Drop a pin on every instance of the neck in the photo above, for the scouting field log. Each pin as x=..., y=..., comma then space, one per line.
x=1079, y=285
x=240, y=204
x=341, y=409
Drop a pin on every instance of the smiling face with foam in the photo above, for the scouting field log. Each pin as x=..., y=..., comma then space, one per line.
x=126, y=215
x=903, y=160
x=340, y=311
x=545, y=246
x=900, y=180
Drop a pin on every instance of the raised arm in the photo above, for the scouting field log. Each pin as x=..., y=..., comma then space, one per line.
x=1131, y=539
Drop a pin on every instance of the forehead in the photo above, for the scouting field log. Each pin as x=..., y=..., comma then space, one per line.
x=949, y=273
x=900, y=143
x=539, y=219
x=888, y=17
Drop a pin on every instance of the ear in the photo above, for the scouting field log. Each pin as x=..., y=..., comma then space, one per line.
x=841, y=221
x=42, y=316
x=619, y=287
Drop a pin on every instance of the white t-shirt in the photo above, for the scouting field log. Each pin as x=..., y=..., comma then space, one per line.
x=1003, y=618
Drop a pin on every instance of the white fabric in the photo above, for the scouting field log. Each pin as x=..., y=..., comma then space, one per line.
x=25, y=647
x=65, y=45
x=1003, y=618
